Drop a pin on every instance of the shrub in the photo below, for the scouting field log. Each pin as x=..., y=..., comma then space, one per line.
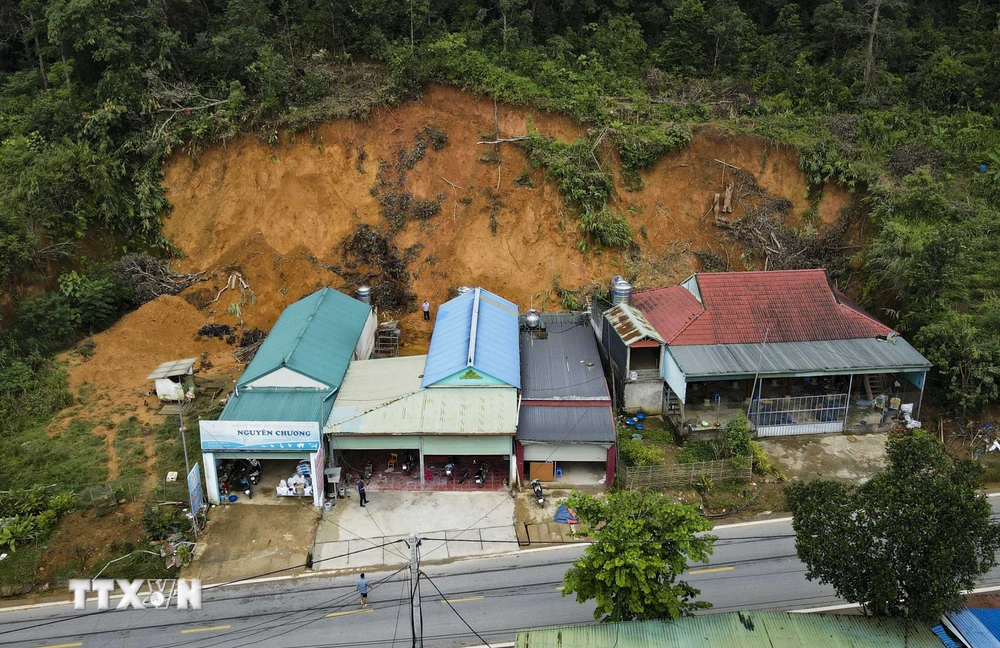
x=641, y=145
x=161, y=522
x=635, y=453
x=573, y=168
x=607, y=226
x=697, y=451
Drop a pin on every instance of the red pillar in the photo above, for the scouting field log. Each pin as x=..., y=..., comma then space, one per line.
x=519, y=449
x=610, y=467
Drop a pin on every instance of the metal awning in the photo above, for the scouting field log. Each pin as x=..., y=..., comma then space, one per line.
x=173, y=368
x=780, y=359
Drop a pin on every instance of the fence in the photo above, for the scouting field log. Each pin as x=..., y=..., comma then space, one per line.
x=667, y=477
x=799, y=415
x=106, y=496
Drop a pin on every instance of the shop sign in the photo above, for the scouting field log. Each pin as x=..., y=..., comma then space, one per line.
x=260, y=435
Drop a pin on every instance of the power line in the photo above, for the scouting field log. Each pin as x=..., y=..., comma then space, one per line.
x=445, y=598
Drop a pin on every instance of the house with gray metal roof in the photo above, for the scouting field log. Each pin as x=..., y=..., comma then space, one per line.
x=633, y=349
x=287, y=392
x=784, y=347
x=566, y=428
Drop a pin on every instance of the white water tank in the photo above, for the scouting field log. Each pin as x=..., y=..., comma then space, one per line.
x=532, y=321
x=364, y=294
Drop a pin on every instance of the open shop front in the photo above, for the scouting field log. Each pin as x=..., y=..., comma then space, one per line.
x=273, y=460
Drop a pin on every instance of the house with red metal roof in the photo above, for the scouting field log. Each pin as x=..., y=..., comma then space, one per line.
x=784, y=347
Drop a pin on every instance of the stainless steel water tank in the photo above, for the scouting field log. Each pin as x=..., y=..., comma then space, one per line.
x=532, y=320
x=622, y=293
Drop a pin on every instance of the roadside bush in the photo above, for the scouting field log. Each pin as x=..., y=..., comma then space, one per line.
x=30, y=515
x=635, y=453
x=161, y=522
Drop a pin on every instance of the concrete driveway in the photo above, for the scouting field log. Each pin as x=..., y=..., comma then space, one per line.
x=461, y=524
x=838, y=457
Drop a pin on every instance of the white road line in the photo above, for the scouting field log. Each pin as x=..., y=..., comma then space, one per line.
x=848, y=606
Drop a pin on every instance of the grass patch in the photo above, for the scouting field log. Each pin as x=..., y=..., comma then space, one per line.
x=20, y=566
x=131, y=450
x=30, y=457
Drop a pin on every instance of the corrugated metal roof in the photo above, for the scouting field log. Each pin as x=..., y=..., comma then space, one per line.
x=477, y=329
x=803, y=358
x=738, y=630
x=456, y=410
x=373, y=383
x=564, y=364
x=566, y=424
x=972, y=629
x=172, y=368
x=945, y=638
x=631, y=324
x=314, y=336
x=784, y=305
x=278, y=404
x=668, y=309
x=983, y=600
x=990, y=618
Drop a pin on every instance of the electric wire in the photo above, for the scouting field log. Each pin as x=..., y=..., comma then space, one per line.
x=461, y=618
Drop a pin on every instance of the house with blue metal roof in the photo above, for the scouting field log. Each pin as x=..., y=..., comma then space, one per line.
x=287, y=392
x=474, y=343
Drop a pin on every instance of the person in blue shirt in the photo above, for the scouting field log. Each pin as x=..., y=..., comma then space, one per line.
x=363, y=590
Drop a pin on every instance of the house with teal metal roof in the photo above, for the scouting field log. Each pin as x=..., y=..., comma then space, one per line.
x=287, y=392
x=756, y=629
x=312, y=343
x=475, y=343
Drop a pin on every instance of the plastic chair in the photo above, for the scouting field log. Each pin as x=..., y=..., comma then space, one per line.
x=558, y=473
x=393, y=459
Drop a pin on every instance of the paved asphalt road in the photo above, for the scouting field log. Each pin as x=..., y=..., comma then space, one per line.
x=754, y=567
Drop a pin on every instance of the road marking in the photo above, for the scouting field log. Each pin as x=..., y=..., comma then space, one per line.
x=70, y=645
x=360, y=611
x=560, y=588
x=206, y=629
x=712, y=570
x=462, y=600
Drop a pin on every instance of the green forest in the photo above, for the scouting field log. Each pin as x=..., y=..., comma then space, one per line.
x=894, y=99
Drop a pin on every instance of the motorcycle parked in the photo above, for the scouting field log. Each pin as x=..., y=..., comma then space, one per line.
x=465, y=475
x=407, y=465
x=449, y=468
x=484, y=470
x=536, y=486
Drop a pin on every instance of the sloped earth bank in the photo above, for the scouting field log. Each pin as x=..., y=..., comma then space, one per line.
x=279, y=215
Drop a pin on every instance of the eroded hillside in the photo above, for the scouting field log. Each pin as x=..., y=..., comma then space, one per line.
x=281, y=215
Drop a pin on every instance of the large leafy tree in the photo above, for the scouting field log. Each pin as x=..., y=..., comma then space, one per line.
x=643, y=542
x=906, y=543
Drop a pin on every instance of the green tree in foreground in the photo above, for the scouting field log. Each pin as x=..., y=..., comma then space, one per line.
x=906, y=543
x=642, y=543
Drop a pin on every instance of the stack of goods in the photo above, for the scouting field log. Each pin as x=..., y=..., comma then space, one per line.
x=299, y=484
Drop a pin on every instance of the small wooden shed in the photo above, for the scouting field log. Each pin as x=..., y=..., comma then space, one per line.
x=174, y=379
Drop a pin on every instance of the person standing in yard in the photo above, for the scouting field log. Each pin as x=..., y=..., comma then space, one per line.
x=363, y=588
x=427, y=310
x=362, y=494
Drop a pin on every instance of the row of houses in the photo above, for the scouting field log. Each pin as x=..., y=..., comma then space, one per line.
x=517, y=397
x=526, y=396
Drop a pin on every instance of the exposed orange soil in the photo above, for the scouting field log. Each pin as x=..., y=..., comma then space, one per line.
x=277, y=215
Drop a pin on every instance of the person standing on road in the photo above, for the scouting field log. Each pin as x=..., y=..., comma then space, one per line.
x=427, y=310
x=363, y=588
x=361, y=492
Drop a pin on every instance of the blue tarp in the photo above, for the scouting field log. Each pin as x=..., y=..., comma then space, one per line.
x=565, y=516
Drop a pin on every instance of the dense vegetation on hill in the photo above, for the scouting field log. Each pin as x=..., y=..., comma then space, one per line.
x=896, y=98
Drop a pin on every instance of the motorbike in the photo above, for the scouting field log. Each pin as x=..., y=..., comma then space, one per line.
x=536, y=486
x=244, y=482
x=449, y=468
x=484, y=470
x=368, y=471
x=465, y=475
x=407, y=463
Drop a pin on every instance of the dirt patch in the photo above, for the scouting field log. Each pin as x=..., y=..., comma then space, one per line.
x=84, y=541
x=242, y=541
x=839, y=457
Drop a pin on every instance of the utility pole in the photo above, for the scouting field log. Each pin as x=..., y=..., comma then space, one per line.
x=187, y=466
x=416, y=617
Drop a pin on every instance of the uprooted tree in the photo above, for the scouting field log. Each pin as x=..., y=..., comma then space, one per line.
x=908, y=542
x=643, y=542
